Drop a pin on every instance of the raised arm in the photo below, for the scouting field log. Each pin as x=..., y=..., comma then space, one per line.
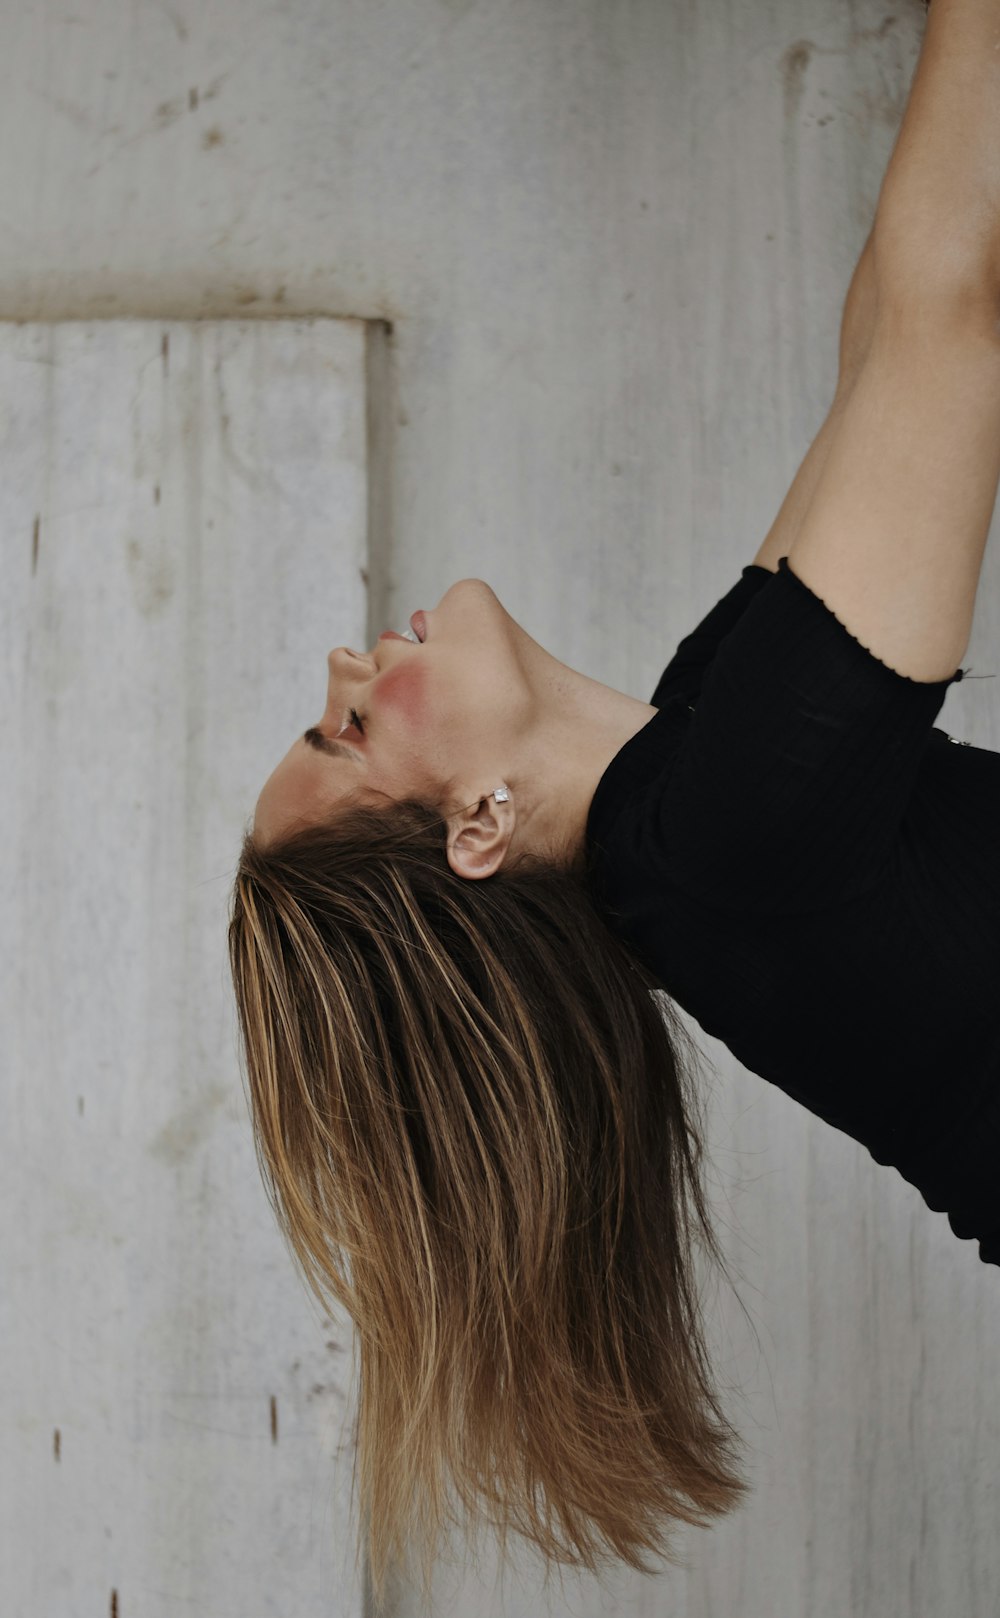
x=892, y=538
x=938, y=220
x=916, y=177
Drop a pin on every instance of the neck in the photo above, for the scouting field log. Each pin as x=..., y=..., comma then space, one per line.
x=582, y=726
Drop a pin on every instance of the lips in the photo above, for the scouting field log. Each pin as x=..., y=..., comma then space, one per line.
x=418, y=630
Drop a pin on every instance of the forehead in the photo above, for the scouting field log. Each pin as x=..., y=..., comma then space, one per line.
x=305, y=788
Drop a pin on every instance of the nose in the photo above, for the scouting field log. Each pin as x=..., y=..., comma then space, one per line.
x=342, y=659
x=346, y=669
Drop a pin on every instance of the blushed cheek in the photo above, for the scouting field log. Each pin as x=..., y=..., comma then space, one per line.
x=404, y=689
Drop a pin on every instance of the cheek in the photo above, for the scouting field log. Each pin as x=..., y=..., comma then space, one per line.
x=404, y=689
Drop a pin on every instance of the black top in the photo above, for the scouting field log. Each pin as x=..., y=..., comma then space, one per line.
x=811, y=869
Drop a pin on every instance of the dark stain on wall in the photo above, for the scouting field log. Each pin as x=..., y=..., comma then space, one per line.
x=794, y=64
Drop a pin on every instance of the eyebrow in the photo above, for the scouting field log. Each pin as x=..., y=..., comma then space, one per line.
x=323, y=744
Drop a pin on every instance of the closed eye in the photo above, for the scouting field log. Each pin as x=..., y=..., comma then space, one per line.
x=323, y=744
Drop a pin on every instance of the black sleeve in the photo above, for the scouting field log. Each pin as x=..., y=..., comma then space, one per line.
x=683, y=675
x=791, y=784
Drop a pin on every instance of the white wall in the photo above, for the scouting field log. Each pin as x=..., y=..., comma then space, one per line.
x=184, y=521
x=611, y=240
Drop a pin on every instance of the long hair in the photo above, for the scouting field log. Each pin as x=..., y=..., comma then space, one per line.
x=476, y=1134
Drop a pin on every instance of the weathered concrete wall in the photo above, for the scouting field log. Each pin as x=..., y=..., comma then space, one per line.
x=611, y=240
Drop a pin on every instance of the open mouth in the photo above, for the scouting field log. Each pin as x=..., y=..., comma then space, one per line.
x=417, y=632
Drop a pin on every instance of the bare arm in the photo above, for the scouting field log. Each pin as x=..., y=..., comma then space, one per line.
x=892, y=530
x=894, y=535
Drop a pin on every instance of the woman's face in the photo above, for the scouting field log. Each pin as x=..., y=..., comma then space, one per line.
x=437, y=720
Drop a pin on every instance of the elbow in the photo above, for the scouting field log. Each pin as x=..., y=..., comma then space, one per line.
x=923, y=270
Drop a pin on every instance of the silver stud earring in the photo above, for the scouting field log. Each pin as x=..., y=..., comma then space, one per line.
x=501, y=794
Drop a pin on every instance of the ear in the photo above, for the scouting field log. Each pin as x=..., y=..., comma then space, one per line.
x=478, y=839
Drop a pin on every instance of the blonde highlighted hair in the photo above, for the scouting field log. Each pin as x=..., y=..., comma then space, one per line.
x=476, y=1134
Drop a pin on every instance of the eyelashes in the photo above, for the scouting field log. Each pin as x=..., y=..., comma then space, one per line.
x=355, y=719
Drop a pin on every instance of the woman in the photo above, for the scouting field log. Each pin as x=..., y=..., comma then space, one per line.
x=467, y=887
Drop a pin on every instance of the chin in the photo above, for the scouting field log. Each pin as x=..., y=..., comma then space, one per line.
x=471, y=585
x=478, y=611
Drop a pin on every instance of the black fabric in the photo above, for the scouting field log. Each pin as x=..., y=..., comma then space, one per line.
x=811, y=869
